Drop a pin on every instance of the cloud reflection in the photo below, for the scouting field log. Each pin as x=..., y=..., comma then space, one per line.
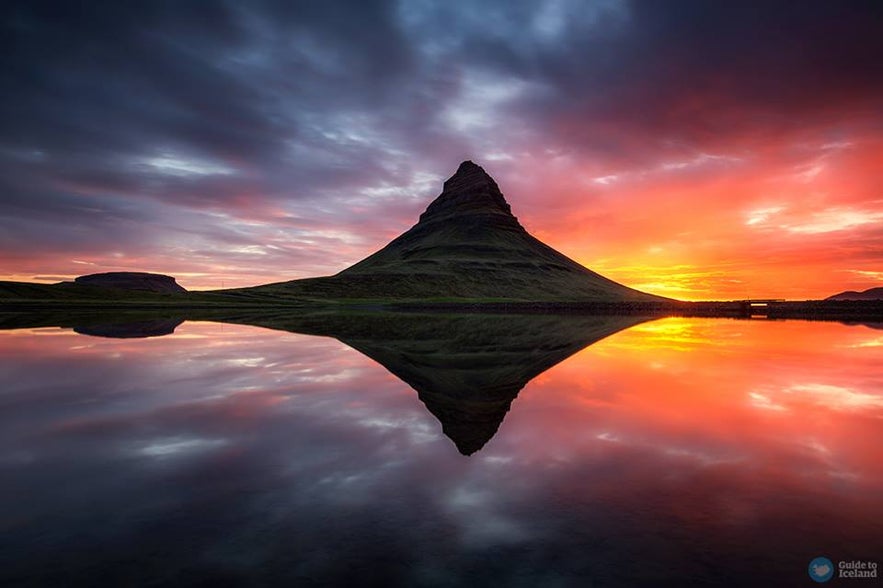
x=310, y=454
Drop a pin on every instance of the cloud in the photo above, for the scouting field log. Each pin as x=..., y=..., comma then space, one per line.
x=835, y=219
x=761, y=215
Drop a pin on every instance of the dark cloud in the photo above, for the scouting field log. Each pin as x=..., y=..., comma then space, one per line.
x=701, y=71
x=680, y=73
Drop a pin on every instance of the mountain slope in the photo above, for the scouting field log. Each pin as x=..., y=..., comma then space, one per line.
x=467, y=245
x=870, y=294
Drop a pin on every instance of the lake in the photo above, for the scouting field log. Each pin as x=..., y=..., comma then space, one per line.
x=439, y=451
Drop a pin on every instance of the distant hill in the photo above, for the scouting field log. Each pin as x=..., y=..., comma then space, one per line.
x=133, y=281
x=466, y=245
x=870, y=294
x=127, y=287
x=75, y=293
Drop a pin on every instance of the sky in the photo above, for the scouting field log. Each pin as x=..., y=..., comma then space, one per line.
x=698, y=150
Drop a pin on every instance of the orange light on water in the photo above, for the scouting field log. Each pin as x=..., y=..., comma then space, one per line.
x=796, y=399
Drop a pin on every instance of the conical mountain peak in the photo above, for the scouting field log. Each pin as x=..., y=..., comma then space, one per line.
x=467, y=244
x=471, y=177
x=469, y=191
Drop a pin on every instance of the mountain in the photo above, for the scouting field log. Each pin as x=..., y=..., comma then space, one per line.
x=870, y=294
x=112, y=287
x=132, y=281
x=466, y=245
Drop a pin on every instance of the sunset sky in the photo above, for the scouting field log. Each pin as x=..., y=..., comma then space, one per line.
x=692, y=149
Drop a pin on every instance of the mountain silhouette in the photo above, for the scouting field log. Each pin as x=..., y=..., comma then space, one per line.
x=466, y=245
x=869, y=294
x=132, y=281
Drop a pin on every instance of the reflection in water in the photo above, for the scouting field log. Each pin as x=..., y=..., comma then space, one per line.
x=466, y=369
x=677, y=452
x=131, y=330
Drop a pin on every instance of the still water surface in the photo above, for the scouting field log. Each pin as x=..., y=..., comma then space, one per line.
x=676, y=452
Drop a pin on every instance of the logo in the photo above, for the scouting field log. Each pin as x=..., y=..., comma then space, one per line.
x=821, y=569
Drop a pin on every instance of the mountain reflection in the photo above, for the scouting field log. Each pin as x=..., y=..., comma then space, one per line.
x=133, y=330
x=466, y=369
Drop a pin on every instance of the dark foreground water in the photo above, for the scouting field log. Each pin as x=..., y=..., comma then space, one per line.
x=677, y=452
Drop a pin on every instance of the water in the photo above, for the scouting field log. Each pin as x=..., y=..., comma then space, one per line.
x=673, y=452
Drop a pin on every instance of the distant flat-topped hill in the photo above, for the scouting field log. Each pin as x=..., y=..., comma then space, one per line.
x=125, y=287
x=132, y=281
x=466, y=245
x=870, y=294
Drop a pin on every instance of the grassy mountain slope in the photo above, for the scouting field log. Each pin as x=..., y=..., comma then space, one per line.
x=467, y=245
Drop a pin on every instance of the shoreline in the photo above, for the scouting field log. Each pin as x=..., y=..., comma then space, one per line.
x=832, y=310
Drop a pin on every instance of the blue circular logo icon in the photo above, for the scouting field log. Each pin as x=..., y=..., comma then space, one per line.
x=821, y=569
